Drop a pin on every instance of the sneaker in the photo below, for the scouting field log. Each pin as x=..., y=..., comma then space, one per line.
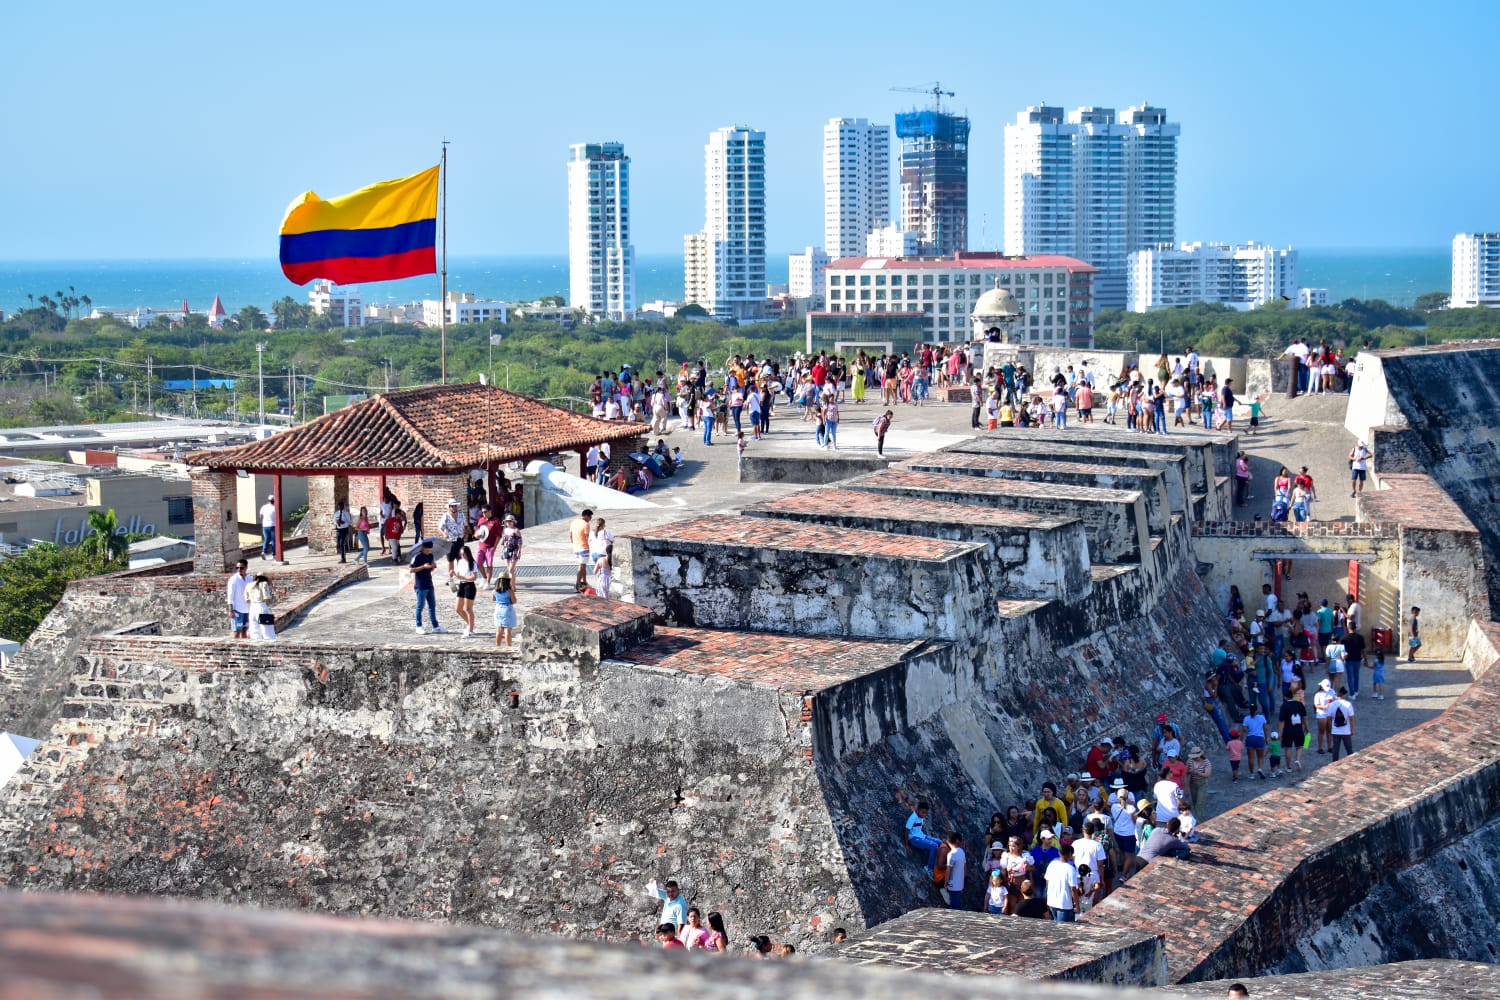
x=1251, y=776
x=1261, y=775
x=420, y=630
x=438, y=630
x=1299, y=765
x=1351, y=496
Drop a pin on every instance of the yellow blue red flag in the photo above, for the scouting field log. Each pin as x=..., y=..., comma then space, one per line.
x=384, y=231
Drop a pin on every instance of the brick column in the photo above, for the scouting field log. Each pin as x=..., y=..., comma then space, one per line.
x=216, y=520
x=323, y=494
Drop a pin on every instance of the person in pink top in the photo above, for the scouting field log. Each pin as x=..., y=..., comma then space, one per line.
x=693, y=934
x=1236, y=748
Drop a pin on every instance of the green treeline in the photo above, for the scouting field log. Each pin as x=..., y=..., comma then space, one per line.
x=1220, y=331
x=60, y=370
x=57, y=368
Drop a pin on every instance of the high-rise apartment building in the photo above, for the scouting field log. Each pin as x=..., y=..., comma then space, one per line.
x=807, y=274
x=601, y=260
x=856, y=183
x=732, y=251
x=1093, y=185
x=935, y=180
x=1239, y=276
x=1476, y=270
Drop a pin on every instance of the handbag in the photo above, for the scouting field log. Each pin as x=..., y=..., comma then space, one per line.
x=265, y=618
x=1414, y=642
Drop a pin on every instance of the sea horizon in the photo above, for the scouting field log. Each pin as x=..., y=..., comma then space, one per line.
x=1395, y=274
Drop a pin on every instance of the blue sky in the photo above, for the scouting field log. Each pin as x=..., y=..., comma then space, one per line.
x=180, y=130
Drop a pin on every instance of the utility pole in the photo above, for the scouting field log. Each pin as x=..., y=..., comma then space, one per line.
x=149, y=407
x=291, y=393
x=260, y=372
x=101, y=381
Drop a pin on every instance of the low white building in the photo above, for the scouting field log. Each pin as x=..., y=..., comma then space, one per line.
x=1476, y=270
x=891, y=241
x=1307, y=298
x=1243, y=276
x=1055, y=293
x=342, y=302
x=393, y=312
x=463, y=307
x=807, y=274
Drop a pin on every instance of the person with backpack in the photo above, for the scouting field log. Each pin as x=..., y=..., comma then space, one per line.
x=1342, y=728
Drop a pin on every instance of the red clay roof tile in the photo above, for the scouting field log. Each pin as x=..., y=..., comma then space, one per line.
x=445, y=428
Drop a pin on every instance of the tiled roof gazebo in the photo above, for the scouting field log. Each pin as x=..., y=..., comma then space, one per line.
x=437, y=431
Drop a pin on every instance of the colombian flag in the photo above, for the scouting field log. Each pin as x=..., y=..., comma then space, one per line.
x=387, y=230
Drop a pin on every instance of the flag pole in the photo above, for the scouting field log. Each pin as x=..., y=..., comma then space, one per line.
x=443, y=305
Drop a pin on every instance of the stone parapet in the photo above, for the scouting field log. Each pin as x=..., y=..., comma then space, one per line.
x=767, y=574
x=1150, y=483
x=1114, y=521
x=1032, y=555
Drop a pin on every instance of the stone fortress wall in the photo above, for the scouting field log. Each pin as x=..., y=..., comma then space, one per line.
x=760, y=737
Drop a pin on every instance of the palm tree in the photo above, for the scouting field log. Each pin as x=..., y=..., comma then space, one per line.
x=87, y=302
x=101, y=542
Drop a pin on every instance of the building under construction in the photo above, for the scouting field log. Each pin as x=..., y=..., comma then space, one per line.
x=935, y=180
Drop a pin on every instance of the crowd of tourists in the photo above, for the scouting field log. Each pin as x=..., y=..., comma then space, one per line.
x=684, y=927
x=1178, y=393
x=1140, y=799
x=1319, y=369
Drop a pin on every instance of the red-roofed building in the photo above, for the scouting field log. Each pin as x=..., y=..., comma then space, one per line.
x=432, y=438
x=1056, y=293
x=216, y=313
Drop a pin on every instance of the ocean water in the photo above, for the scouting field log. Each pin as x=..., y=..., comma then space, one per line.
x=1398, y=276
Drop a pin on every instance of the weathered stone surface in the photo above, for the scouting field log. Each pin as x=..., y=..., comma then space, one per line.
x=62, y=947
x=181, y=602
x=1173, y=465
x=815, y=470
x=773, y=575
x=1149, y=483
x=1034, y=556
x=1113, y=520
x=1429, y=980
x=959, y=942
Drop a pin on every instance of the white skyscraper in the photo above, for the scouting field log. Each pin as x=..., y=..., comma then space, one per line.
x=1476, y=270
x=1091, y=185
x=856, y=183
x=601, y=260
x=732, y=253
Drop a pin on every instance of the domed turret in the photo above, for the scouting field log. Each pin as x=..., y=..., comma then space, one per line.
x=997, y=303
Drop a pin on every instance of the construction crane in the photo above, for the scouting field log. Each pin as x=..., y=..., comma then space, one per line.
x=936, y=90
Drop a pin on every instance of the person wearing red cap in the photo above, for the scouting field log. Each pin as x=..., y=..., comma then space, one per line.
x=1165, y=730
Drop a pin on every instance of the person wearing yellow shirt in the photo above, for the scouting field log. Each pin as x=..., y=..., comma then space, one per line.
x=1049, y=800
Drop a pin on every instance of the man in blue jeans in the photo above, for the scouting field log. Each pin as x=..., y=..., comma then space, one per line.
x=1063, y=889
x=916, y=835
x=422, y=565
x=957, y=861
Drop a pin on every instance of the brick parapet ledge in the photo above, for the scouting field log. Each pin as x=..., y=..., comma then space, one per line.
x=1414, y=501
x=1436, y=979
x=980, y=944
x=1280, y=867
x=1294, y=529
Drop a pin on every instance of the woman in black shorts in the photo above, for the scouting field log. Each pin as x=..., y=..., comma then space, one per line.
x=466, y=575
x=1293, y=727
